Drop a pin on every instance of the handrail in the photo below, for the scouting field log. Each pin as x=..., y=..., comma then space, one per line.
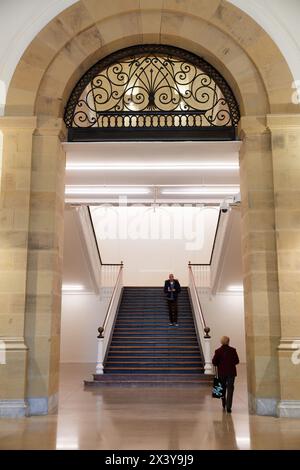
x=206, y=329
x=206, y=340
x=101, y=329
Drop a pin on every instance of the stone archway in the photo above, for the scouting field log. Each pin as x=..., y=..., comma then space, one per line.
x=32, y=191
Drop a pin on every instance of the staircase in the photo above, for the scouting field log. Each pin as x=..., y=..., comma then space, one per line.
x=145, y=350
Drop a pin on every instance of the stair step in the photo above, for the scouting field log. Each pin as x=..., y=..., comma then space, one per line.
x=157, y=345
x=161, y=369
x=152, y=310
x=152, y=319
x=152, y=339
x=164, y=345
x=148, y=376
x=174, y=375
x=154, y=322
x=159, y=363
x=155, y=335
x=156, y=357
x=150, y=346
x=155, y=332
x=151, y=315
x=154, y=368
x=150, y=380
x=153, y=300
x=163, y=327
x=153, y=356
x=143, y=311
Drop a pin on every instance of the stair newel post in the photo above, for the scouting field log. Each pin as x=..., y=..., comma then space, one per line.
x=109, y=319
x=208, y=368
x=100, y=351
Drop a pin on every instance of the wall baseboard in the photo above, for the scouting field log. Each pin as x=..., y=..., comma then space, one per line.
x=263, y=406
x=289, y=409
x=42, y=405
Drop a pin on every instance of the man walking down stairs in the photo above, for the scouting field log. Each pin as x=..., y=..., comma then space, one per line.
x=172, y=289
x=146, y=350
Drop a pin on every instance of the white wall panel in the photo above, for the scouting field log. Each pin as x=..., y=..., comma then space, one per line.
x=81, y=315
x=224, y=314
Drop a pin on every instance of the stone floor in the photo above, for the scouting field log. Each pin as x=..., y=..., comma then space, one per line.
x=146, y=418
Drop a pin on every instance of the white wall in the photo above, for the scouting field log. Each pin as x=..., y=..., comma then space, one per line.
x=154, y=244
x=81, y=315
x=224, y=314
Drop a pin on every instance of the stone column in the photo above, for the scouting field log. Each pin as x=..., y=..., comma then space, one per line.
x=14, y=226
x=285, y=133
x=44, y=271
x=262, y=312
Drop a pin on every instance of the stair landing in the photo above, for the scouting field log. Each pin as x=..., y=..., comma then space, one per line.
x=149, y=380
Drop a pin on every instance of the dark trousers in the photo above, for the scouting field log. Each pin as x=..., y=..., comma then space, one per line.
x=228, y=385
x=173, y=313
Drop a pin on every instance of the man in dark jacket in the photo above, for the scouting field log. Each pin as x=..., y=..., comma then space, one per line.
x=172, y=289
x=225, y=359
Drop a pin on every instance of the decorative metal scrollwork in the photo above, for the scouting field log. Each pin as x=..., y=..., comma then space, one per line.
x=152, y=86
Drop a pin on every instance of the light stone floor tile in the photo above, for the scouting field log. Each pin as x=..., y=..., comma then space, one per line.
x=146, y=418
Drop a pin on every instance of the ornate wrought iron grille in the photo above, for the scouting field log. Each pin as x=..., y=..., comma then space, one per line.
x=152, y=87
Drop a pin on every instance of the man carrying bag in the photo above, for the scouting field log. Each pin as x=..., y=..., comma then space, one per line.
x=226, y=359
x=217, y=390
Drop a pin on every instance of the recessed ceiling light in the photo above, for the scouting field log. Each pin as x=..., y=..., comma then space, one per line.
x=105, y=190
x=171, y=166
x=203, y=191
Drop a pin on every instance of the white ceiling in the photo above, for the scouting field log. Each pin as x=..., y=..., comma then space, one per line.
x=153, y=167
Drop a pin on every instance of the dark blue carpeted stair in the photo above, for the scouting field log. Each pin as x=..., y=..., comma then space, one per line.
x=145, y=350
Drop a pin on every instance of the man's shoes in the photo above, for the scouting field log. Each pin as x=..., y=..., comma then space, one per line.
x=175, y=324
x=171, y=324
x=228, y=410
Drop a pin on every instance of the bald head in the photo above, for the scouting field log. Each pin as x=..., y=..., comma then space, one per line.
x=171, y=277
x=225, y=340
